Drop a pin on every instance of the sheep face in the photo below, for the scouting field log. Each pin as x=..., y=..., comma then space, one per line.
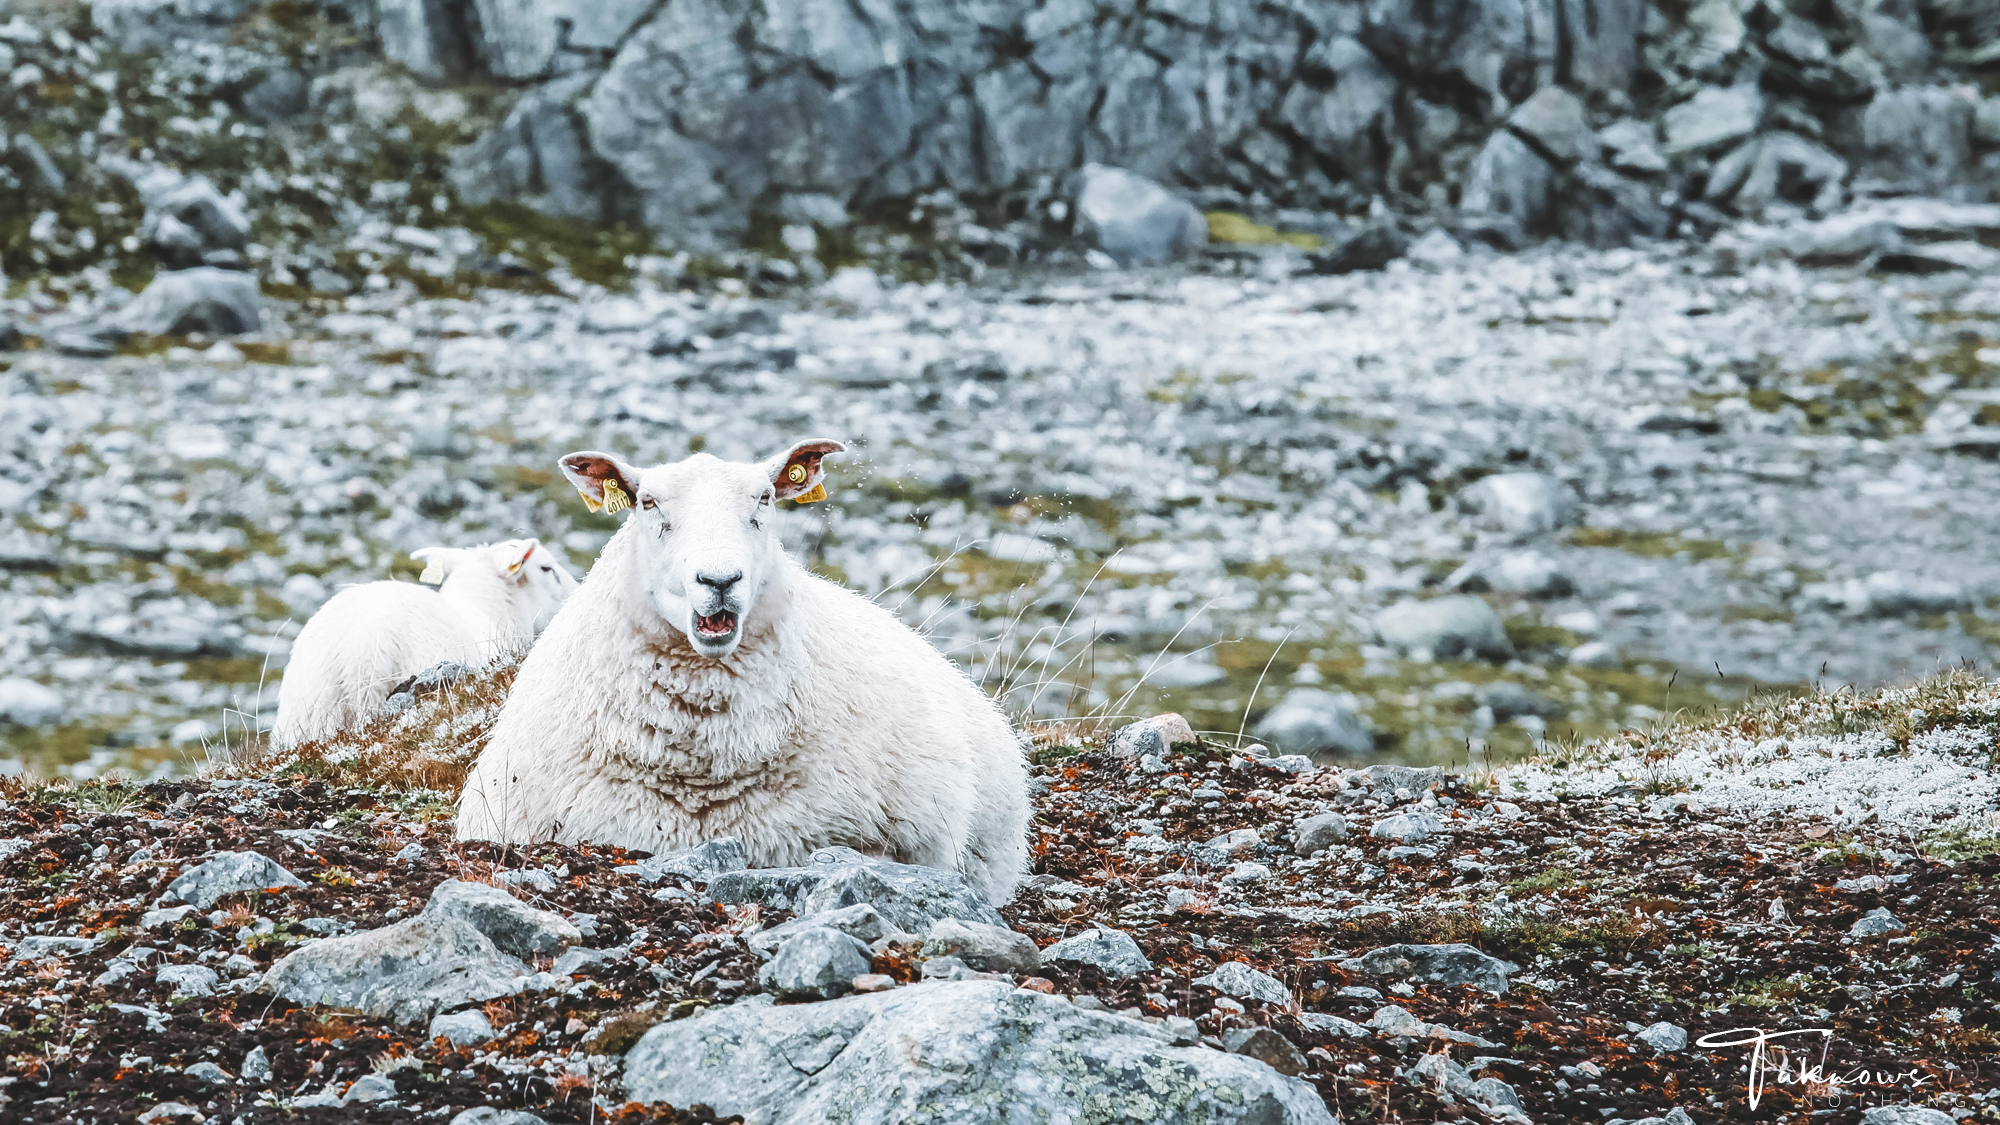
x=705, y=539
x=529, y=577
x=543, y=580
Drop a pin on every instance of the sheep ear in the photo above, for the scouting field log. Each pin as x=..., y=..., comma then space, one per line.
x=796, y=473
x=515, y=553
x=438, y=563
x=606, y=483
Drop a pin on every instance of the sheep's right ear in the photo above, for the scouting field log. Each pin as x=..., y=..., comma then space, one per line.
x=438, y=563
x=606, y=483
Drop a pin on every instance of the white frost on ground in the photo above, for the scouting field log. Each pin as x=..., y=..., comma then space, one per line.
x=1784, y=764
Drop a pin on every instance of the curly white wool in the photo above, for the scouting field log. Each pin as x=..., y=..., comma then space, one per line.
x=368, y=638
x=824, y=720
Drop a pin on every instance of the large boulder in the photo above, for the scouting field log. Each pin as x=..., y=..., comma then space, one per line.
x=1312, y=721
x=1599, y=43
x=187, y=221
x=910, y=897
x=203, y=299
x=967, y=1052
x=1917, y=141
x=1510, y=182
x=1716, y=117
x=513, y=925
x=531, y=38
x=1504, y=49
x=538, y=156
x=1131, y=218
x=1777, y=168
x=1460, y=627
x=1343, y=109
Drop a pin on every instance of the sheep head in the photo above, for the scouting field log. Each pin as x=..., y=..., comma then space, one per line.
x=705, y=540
x=522, y=571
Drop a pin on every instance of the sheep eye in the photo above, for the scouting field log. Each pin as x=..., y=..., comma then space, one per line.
x=548, y=570
x=648, y=503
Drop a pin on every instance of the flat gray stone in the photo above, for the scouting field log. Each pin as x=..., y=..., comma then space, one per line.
x=1437, y=964
x=1133, y=219
x=987, y=949
x=700, y=863
x=1266, y=1046
x=1715, y=117
x=1517, y=503
x=188, y=980
x=514, y=926
x=1664, y=1038
x=203, y=299
x=1407, y=827
x=462, y=1028
x=909, y=897
x=1234, y=978
x=487, y=1115
x=990, y=1052
x=228, y=873
x=861, y=921
x=1459, y=627
x=1875, y=923
x=817, y=963
x=1113, y=952
x=1314, y=833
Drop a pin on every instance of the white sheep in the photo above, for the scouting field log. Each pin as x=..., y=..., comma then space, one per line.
x=703, y=684
x=368, y=638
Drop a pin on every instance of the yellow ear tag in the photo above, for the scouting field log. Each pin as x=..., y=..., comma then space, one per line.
x=797, y=474
x=615, y=499
x=433, y=574
x=593, y=505
x=815, y=496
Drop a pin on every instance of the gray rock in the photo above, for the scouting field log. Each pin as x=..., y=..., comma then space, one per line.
x=1437, y=964
x=1510, y=700
x=28, y=704
x=1554, y=122
x=533, y=877
x=1663, y=1038
x=700, y=863
x=188, y=980
x=228, y=873
x=1777, y=168
x=369, y=1088
x=1407, y=827
x=405, y=972
x=1517, y=503
x=1525, y=573
x=1604, y=209
x=1234, y=978
x=1158, y=736
x=187, y=218
x=1385, y=779
x=278, y=96
x=207, y=1072
x=1602, y=43
x=1496, y=1098
x=1013, y=1055
x=1717, y=116
x=910, y=897
x=1875, y=923
x=582, y=960
x=513, y=926
x=1450, y=628
x=256, y=1066
x=1986, y=123
x=860, y=921
x=987, y=949
x=1315, y=833
x=817, y=963
x=1632, y=146
x=1489, y=47
x=1344, y=124
x=1595, y=654
x=1916, y=140
x=1312, y=721
x=538, y=156
x=203, y=299
x=45, y=169
x=1112, y=952
x=529, y=38
x=1267, y=1047
x=429, y=37
x=1133, y=219
x=1942, y=257
x=487, y=1115
x=1511, y=182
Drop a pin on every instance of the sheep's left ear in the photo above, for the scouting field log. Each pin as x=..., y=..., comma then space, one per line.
x=796, y=473
x=515, y=553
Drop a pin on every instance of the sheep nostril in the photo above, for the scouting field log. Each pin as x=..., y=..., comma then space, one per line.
x=718, y=581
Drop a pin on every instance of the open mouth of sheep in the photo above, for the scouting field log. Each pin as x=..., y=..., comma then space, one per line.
x=715, y=625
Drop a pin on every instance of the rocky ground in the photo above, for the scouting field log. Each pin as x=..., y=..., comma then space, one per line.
x=1549, y=942
x=1664, y=475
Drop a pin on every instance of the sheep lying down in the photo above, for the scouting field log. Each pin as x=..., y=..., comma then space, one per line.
x=368, y=638
x=702, y=684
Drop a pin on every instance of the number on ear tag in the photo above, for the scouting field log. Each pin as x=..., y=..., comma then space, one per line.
x=615, y=500
x=433, y=574
x=815, y=496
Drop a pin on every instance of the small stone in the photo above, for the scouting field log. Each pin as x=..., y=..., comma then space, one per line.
x=188, y=980
x=989, y=949
x=1715, y=117
x=816, y=963
x=1664, y=1038
x=206, y=1071
x=370, y=1088
x=512, y=925
x=1112, y=952
x=228, y=873
x=874, y=982
x=1132, y=219
x=1182, y=1031
x=462, y=1028
x=1517, y=503
x=1438, y=964
x=1595, y=654
x=1460, y=627
x=1313, y=721
x=1039, y=984
x=1316, y=833
x=170, y=1111
x=1234, y=978
x=1267, y=1047
x=204, y=299
x=1875, y=923
x=1407, y=827
x=256, y=1067
x=1905, y=1115
x=700, y=863
x=1244, y=873
x=1157, y=736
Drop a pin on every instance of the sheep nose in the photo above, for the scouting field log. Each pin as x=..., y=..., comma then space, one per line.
x=718, y=581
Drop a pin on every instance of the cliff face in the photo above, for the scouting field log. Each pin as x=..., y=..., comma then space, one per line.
x=1596, y=120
